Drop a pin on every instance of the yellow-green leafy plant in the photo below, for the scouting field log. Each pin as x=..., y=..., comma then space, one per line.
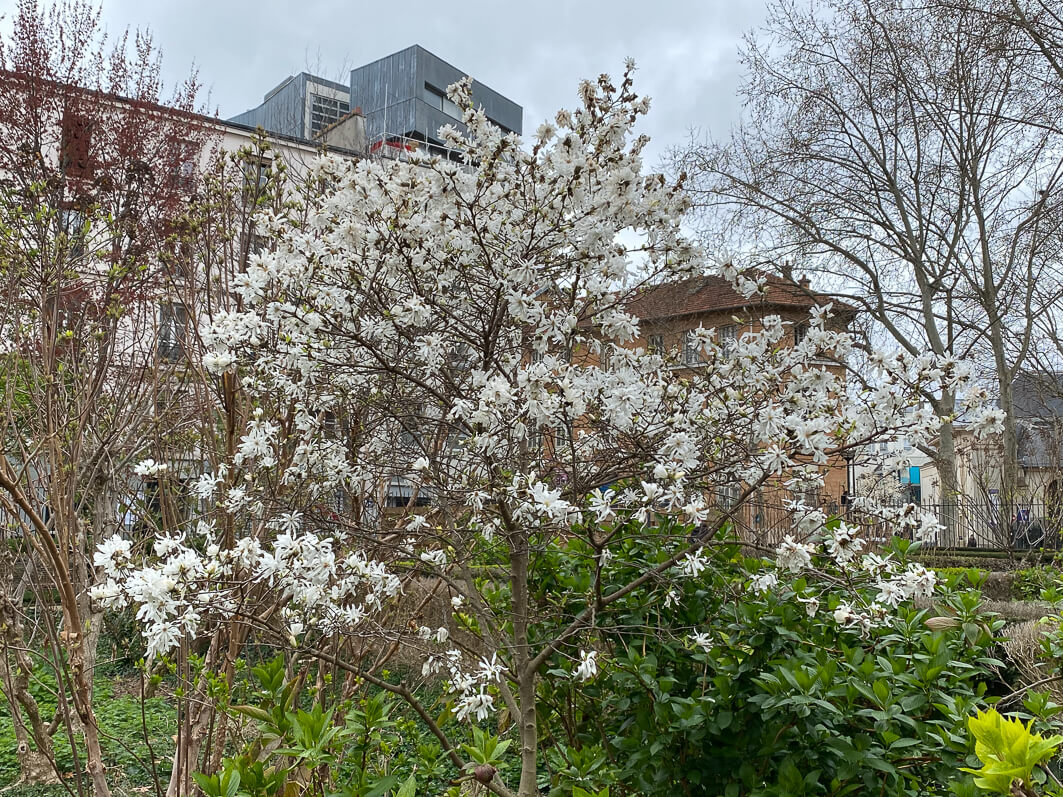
x=1009, y=751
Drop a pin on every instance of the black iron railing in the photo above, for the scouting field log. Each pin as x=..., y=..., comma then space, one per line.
x=962, y=523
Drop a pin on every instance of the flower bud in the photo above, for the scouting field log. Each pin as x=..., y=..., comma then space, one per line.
x=941, y=623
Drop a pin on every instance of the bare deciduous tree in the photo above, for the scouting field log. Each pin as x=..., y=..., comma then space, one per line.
x=908, y=154
x=94, y=173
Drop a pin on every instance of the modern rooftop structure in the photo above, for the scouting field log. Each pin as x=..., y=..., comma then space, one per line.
x=301, y=106
x=402, y=96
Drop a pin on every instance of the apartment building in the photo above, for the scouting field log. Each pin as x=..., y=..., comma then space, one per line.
x=102, y=287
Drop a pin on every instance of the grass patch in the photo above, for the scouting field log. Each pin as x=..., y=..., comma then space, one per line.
x=126, y=752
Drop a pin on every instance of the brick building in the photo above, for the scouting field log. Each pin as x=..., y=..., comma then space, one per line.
x=670, y=312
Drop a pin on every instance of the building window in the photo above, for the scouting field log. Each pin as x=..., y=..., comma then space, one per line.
x=176, y=252
x=657, y=345
x=173, y=325
x=256, y=174
x=185, y=166
x=75, y=145
x=563, y=440
x=400, y=492
x=330, y=426
x=692, y=354
x=461, y=358
x=325, y=111
x=72, y=227
x=800, y=333
x=727, y=496
x=410, y=431
x=438, y=99
x=257, y=243
x=728, y=339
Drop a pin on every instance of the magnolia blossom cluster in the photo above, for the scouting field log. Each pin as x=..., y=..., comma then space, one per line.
x=188, y=584
x=837, y=553
x=882, y=574
x=478, y=321
x=469, y=687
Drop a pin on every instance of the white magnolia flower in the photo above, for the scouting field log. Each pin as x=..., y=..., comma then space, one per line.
x=437, y=557
x=989, y=421
x=918, y=581
x=891, y=593
x=588, y=666
x=765, y=582
x=876, y=565
x=218, y=362
x=848, y=616
x=702, y=640
x=793, y=556
x=477, y=704
x=112, y=554
x=149, y=468
x=693, y=564
x=844, y=544
x=811, y=605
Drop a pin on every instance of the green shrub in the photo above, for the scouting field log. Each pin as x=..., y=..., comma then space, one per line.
x=962, y=577
x=1035, y=583
x=770, y=699
x=360, y=748
x=1010, y=753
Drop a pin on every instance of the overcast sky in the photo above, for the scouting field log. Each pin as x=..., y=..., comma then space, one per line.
x=534, y=53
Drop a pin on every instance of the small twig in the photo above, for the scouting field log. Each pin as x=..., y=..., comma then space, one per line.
x=1034, y=685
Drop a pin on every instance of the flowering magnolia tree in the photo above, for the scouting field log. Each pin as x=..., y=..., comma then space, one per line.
x=451, y=399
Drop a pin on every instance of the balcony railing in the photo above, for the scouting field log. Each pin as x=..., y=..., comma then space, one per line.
x=390, y=146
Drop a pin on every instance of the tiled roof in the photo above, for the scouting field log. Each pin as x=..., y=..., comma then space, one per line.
x=711, y=294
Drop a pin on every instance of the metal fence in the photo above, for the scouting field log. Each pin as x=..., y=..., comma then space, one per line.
x=1022, y=525
x=1018, y=525
x=763, y=523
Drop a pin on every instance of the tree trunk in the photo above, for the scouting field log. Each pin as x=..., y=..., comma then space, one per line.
x=529, y=732
x=33, y=746
x=1009, y=466
x=81, y=691
x=945, y=461
x=193, y=731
